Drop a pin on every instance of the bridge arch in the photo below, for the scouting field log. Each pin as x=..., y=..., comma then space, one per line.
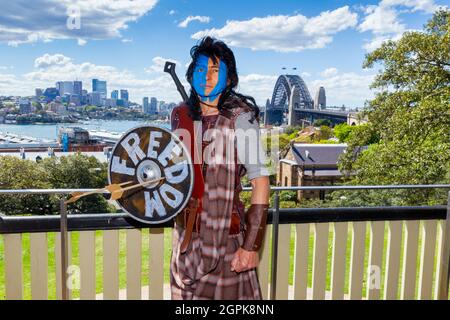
x=283, y=89
x=281, y=103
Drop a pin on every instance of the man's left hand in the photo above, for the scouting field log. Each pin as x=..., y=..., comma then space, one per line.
x=244, y=260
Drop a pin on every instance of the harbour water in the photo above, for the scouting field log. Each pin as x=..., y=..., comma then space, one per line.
x=50, y=131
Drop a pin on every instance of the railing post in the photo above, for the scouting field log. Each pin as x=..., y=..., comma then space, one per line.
x=445, y=258
x=64, y=249
x=275, y=220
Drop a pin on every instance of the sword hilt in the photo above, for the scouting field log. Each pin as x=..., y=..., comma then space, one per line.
x=169, y=67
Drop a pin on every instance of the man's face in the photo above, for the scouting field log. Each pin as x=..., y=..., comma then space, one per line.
x=209, y=78
x=212, y=75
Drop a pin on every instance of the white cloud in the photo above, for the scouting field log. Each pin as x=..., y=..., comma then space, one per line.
x=306, y=74
x=258, y=86
x=125, y=40
x=158, y=65
x=81, y=42
x=377, y=41
x=50, y=60
x=383, y=20
x=284, y=33
x=427, y=6
x=24, y=21
x=48, y=69
x=185, y=22
x=329, y=72
x=10, y=85
x=172, y=12
x=347, y=88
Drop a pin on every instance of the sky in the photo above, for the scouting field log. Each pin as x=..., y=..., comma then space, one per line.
x=127, y=42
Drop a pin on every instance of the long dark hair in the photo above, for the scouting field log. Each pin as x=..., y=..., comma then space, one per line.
x=215, y=48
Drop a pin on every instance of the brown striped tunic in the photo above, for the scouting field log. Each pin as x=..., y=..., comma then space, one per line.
x=204, y=271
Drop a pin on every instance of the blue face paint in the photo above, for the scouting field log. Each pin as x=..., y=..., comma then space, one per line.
x=199, y=79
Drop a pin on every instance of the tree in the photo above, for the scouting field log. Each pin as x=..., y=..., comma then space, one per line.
x=74, y=171
x=322, y=122
x=90, y=108
x=79, y=171
x=16, y=173
x=325, y=133
x=409, y=118
x=291, y=129
x=342, y=131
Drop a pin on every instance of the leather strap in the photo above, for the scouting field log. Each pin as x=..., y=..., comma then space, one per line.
x=191, y=212
x=256, y=219
x=181, y=119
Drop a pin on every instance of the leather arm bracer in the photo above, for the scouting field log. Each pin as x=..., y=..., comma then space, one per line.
x=255, y=221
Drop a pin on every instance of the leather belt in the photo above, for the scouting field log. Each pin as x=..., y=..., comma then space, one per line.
x=191, y=216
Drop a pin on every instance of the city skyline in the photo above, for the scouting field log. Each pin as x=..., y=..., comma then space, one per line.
x=76, y=87
x=325, y=42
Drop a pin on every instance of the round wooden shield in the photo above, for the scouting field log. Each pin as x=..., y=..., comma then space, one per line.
x=144, y=154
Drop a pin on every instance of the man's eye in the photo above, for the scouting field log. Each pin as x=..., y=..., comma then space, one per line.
x=200, y=70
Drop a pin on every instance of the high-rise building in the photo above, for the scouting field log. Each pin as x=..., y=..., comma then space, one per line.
x=115, y=94
x=75, y=99
x=110, y=103
x=99, y=86
x=320, y=101
x=94, y=98
x=161, y=106
x=64, y=87
x=153, y=105
x=38, y=92
x=124, y=94
x=51, y=94
x=78, y=88
x=24, y=106
x=84, y=97
x=94, y=85
x=60, y=86
x=145, y=105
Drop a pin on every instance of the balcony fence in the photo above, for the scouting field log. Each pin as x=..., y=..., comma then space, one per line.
x=308, y=253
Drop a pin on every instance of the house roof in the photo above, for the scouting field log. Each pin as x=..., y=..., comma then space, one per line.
x=317, y=154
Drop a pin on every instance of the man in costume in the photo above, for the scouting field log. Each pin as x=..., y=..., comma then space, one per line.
x=215, y=240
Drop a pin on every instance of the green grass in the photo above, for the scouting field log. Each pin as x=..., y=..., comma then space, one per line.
x=366, y=259
x=74, y=242
x=74, y=239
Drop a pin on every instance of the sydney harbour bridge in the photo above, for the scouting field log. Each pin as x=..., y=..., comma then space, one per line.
x=291, y=104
